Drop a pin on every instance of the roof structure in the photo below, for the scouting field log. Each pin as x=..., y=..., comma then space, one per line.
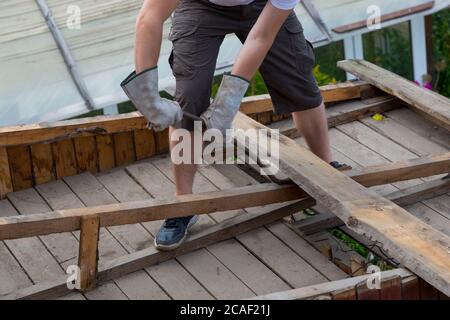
x=39, y=82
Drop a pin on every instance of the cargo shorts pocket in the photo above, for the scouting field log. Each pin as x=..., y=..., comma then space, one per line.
x=184, y=56
x=301, y=48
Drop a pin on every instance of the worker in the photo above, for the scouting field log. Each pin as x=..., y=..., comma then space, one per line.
x=273, y=42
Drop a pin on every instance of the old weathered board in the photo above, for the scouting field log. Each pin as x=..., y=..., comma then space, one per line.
x=415, y=244
x=435, y=106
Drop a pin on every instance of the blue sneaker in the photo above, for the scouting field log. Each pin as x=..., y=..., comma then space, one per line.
x=173, y=232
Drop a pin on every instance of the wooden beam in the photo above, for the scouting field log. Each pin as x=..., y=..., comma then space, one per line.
x=385, y=17
x=402, y=170
x=61, y=130
x=343, y=113
x=330, y=93
x=412, y=242
x=244, y=197
x=436, y=107
x=135, y=261
x=327, y=220
x=329, y=287
x=88, y=252
x=148, y=210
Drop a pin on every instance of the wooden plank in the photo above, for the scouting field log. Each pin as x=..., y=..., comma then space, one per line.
x=170, y=275
x=124, y=148
x=150, y=256
x=21, y=169
x=6, y=185
x=33, y=257
x=402, y=170
x=130, y=237
x=144, y=141
x=86, y=154
x=331, y=93
x=243, y=268
x=386, y=17
x=405, y=136
x=43, y=164
x=88, y=252
x=364, y=293
x=12, y=276
x=343, y=113
x=435, y=106
x=344, y=294
x=63, y=246
x=65, y=160
x=162, y=141
x=219, y=280
x=62, y=130
x=149, y=210
x=105, y=147
x=410, y=288
x=427, y=292
x=328, y=287
x=391, y=289
x=59, y=196
x=421, y=126
x=240, y=198
x=415, y=244
x=102, y=125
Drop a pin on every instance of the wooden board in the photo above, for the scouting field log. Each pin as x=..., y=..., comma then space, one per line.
x=86, y=154
x=170, y=275
x=105, y=147
x=344, y=112
x=435, y=106
x=144, y=141
x=21, y=169
x=5, y=174
x=124, y=148
x=65, y=160
x=329, y=287
x=415, y=244
x=43, y=164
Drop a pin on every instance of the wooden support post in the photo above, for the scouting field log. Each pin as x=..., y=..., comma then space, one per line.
x=88, y=253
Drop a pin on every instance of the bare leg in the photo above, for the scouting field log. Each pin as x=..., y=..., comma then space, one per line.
x=184, y=173
x=313, y=126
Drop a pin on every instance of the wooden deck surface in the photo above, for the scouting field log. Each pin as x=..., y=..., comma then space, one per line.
x=270, y=259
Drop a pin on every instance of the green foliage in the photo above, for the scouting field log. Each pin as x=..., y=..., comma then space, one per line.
x=322, y=78
x=390, y=48
x=362, y=250
x=327, y=57
x=441, y=52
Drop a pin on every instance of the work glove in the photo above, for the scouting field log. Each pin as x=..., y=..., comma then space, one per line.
x=142, y=89
x=221, y=112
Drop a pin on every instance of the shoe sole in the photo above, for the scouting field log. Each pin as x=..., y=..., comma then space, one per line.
x=164, y=247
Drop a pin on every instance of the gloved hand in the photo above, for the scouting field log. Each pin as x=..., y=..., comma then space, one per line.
x=142, y=89
x=221, y=112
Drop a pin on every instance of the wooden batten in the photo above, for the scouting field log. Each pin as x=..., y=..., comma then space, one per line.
x=5, y=174
x=145, y=143
x=86, y=154
x=105, y=148
x=21, y=167
x=65, y=159
x=43, y=163
x=124, y=148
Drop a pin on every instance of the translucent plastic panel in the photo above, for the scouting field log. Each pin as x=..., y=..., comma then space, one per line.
x=34, y=81
x=338, y=13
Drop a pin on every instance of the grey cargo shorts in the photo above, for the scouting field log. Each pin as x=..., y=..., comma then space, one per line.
x=198, y=30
